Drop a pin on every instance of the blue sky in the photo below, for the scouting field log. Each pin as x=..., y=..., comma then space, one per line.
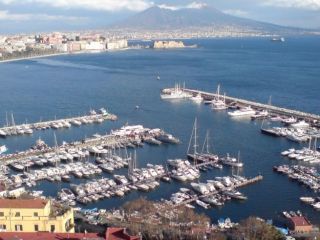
x=51, y=15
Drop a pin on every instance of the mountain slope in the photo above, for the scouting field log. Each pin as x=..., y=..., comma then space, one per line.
x=155, y=18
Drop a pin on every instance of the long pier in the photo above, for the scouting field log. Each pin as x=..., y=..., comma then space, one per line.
x=106, y=141
x=271, y=109
x=28, y=128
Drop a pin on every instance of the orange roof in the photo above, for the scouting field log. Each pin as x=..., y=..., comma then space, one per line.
x=23, y=203
x=49, y=236
x=300, y=221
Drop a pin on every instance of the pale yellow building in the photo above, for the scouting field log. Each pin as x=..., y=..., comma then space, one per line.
x=34, y=215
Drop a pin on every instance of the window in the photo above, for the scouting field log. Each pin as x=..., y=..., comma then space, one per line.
x=3, y=227
x=35, y=214
x=68, y=225
x=1, y=214
x=36, y=228
x=18, y=228
x=17, y=214
x=52, y=228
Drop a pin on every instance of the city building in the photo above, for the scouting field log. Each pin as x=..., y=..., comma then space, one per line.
x=35, y=215
x=117, y=44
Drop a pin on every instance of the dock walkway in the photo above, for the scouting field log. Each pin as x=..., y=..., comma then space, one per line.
x=272, y=109
x=21, y=129
x=193, y=199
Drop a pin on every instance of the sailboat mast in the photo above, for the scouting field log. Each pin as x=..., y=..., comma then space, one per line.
x=190, y=140
x=208, y=140
x=7, y=122
x=195, y=143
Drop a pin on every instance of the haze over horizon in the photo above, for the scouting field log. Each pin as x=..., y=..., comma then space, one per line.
x=58, y=15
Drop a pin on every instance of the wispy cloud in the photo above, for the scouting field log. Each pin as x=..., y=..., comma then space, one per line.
x=105, y=5
x=236, y=12
x=300, y=4
x=7, y=16
x=193, y=5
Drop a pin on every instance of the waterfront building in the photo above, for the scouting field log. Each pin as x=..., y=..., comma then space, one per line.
x=117, y=44
x=35, y=215
x=300, y=224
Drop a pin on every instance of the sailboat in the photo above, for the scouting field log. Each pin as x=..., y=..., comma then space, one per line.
x=231, y=161
x=205, y=152
x=203, y=156
x=193, y=156
x=219, y=103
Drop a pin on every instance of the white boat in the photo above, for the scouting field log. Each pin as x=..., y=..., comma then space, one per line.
x=202, y=204
x=260, y=115
x=218, y=103
x=200, y=188
x=230, y=161
x=316, y=205
x=307, y=200
x=3, y=149
x=198, y=98
x=300, y=124
x=3, y=133
x=242, y=112
x=176, y=93
x=289, y=120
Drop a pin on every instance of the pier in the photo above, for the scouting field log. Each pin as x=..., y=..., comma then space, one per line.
x=260, y=106
x=193, y=199
x=106, y=141
x=28, y=128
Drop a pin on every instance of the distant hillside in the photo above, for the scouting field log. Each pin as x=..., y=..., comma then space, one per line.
x=156, y=18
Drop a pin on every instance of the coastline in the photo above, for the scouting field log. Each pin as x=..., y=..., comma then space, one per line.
x=59, y=54
x=33, y=57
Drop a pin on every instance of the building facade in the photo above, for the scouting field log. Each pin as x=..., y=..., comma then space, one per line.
x=35, y=215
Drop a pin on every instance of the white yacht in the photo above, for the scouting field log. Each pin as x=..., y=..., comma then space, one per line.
x=197, y=99
x=300, y=124
x=231, y=161
x=200, y=188
x=3, y=149
x=289, y=120
x=176, y=93
x=3, y=133
x=308, y=200
x=219, y=103
x=243, y=112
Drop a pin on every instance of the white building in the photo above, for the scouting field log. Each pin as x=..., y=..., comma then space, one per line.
x=117, y=44
x=93, y=46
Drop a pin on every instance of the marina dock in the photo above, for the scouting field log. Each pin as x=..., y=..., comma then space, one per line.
x=197, y=197
x=116, y=139
x=12, y=129
x=232, y=101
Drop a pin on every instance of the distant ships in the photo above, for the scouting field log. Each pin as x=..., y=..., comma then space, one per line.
x=277, y=39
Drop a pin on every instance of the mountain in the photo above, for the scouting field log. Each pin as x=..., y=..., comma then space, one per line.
x=156, y=18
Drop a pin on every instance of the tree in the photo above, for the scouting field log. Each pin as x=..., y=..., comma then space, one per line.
x=255, y=229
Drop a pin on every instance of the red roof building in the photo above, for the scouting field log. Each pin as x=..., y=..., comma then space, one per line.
x=300, y=224
x=114, y=233
x=23, y=203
